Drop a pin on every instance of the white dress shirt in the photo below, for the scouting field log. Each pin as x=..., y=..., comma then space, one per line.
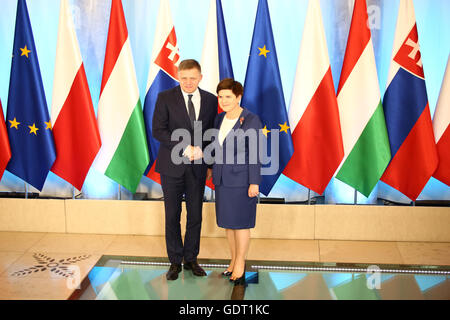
x=225, y=128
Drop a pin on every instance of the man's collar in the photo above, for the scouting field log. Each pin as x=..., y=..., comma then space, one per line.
x=195, y=93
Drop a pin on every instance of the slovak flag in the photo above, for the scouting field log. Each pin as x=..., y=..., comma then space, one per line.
x=407, y=112
x=216, y=60
x=162, y=76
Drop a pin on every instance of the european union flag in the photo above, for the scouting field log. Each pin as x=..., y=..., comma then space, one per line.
x=263, y=95
x=28, y=121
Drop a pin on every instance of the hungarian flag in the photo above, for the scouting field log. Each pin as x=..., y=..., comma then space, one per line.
x=441, y=128
x=75, y=128
x=5, y=151
x=161, y=76
x=216, y=60
x=408, y=118
x=314, y=113
x=364, y=134
x=124, y=154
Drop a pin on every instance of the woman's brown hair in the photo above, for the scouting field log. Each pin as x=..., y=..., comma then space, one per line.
x=230, y=84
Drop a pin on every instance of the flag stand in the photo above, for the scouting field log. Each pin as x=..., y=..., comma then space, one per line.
x=119, y=196
x=73, y=193
x=356, y=197
x=26, y=190
x=309, y=196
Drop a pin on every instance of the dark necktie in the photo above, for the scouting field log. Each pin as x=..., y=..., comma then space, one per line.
x=191, y=110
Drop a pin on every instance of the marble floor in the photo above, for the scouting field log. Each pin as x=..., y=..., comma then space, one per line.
x=35, y=265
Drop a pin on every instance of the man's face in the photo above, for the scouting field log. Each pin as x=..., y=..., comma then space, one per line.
x=189, y=79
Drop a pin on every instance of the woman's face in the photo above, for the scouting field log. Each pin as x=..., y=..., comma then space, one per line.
x=227, y=100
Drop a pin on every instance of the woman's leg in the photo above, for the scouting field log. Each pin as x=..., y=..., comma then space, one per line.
x=242, y=238
x=232, y=245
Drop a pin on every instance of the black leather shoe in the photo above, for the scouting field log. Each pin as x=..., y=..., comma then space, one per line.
x=196, y=269
x=173, y=272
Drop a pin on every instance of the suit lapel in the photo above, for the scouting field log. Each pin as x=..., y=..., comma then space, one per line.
x=202, y=114
x=182, y=104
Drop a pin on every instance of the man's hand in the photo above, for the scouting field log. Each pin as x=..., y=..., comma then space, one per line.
x=193, y=153
x=253, y=190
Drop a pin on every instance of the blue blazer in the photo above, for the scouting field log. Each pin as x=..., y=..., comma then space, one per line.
x=240, y=172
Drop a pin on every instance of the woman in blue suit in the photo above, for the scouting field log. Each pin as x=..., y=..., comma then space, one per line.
x=236, y=173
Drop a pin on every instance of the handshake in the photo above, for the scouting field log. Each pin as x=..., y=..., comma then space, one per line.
x=193, y=153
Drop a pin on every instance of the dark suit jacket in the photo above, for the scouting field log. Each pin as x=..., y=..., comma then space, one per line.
x=171, y=114
x=241, y=172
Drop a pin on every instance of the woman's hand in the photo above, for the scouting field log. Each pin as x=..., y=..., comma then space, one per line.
x=253, y=190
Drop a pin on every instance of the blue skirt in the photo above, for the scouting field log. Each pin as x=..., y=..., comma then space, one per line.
x=234, y=208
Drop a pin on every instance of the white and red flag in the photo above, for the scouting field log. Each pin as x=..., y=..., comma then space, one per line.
x=75, y=130
x=441, y=128
x=314, y=113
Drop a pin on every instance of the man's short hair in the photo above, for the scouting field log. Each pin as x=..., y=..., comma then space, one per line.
x=189, y=64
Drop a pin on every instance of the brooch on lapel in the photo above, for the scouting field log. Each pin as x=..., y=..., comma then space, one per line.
x=241, y=120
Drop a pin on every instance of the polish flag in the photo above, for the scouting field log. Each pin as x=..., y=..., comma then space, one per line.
x=216, y=60
x=75, y=130
x=407, y=111
x=314, y=113
x=441, y=128
x=5, y=151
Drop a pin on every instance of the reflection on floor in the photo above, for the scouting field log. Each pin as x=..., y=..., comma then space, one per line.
x=47, y=265
x=137, y=278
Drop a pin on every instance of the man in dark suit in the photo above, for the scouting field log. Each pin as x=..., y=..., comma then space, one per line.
x=183, y=107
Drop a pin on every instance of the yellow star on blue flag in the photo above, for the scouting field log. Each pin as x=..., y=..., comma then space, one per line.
x=264, y=95
x=32, y=150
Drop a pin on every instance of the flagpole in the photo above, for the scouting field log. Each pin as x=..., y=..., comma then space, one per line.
x=119, y=194
x=356, y=197
x=26, y=190
x=73, y=192
x=309, y=196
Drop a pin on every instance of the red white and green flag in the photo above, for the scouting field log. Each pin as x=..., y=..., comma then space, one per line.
x=365, y=137
x=123, y=156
